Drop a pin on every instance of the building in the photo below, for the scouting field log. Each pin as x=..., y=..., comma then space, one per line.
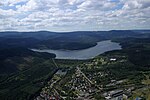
x=115, y=95
x=113, y=59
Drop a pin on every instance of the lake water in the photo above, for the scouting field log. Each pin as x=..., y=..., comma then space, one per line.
x=89, y=53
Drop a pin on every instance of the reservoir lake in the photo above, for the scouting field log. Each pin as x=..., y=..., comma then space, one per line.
x=83, y=54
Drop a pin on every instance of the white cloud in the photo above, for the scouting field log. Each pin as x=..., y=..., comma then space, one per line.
x=7, y=13
x=58, y=15
x=29, y=6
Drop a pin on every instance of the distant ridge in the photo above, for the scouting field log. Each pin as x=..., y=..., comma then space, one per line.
x=64, y=40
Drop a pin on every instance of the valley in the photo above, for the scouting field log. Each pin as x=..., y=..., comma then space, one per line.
x=117, y=73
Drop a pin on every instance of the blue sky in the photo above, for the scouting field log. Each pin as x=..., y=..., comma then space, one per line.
x=74, y=15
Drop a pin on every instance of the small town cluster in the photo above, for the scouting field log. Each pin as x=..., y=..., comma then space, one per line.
x=89, y=81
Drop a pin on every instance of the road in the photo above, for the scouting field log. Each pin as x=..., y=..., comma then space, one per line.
x=55, y=63
x=85, y=76
x=88, y=78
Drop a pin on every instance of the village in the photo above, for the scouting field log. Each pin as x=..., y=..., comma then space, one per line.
x=84, y=84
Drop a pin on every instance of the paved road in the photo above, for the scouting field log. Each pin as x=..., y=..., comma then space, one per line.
x=85, y=76
x=88, y=78
x=54, y=63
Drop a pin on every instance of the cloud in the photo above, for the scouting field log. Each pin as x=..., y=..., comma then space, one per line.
x=70, y=15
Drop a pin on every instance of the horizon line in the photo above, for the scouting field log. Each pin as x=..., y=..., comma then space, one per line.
x=75, y=31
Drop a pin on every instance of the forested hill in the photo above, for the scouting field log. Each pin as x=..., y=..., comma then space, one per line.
x=15, y=59
x=64, y=40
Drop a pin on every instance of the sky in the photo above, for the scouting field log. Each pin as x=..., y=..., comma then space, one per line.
x=74, y=15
